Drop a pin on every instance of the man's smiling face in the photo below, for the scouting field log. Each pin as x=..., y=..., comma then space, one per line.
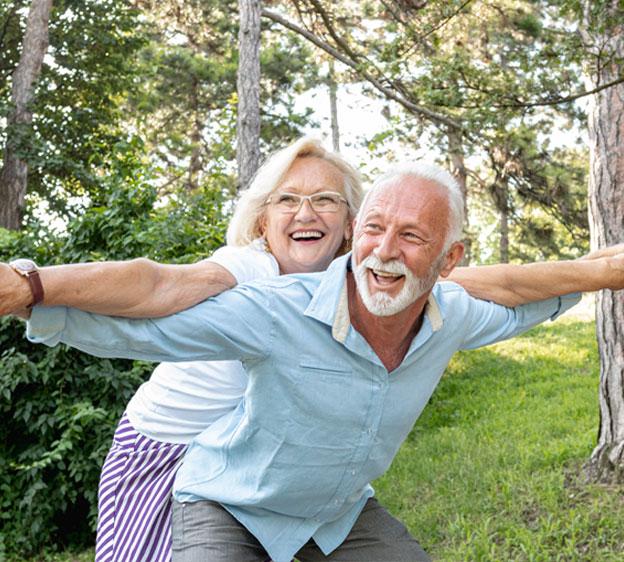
x=398, y=244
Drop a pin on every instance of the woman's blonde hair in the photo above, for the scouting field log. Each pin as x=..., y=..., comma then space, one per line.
x=246, y=223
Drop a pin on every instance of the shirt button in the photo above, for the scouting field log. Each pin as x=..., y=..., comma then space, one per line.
x=353, y=473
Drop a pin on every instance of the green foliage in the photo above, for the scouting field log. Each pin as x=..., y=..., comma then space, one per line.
x=10, y=23
x=59, y=406
x=89, y=67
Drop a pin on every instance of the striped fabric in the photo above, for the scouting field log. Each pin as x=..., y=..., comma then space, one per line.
x=134, y=499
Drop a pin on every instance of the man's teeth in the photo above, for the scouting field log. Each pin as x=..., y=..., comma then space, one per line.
x=307, y=234
x=379, y=273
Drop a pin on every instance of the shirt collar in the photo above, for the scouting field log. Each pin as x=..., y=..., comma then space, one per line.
x=330, y=303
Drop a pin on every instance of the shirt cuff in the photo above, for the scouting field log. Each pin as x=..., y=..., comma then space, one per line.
x=566, y=302
x=46, y=324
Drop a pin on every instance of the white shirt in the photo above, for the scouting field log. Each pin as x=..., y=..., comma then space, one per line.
x=181, y=400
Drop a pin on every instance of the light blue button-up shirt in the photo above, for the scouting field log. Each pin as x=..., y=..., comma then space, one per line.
x=321, y=417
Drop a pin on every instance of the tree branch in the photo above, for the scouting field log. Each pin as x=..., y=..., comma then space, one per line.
x=558, y=100
x=437, y=118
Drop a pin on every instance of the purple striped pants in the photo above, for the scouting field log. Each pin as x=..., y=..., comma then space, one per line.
x=134, y=498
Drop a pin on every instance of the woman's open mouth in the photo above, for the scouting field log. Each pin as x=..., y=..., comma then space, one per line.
x=307, y=236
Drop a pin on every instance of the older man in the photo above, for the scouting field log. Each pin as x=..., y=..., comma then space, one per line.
x=340, y=366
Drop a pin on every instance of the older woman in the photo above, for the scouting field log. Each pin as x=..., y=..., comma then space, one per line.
x=295, y=217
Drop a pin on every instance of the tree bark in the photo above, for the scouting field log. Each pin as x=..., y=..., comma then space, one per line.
x=248, y=85
x=333, y=107
x=14, y=175
x=606, y=210
x=503, y=244
x=458, y=169
x=195, y=163
x=500, y=195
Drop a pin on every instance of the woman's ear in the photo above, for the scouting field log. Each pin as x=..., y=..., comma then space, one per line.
x=348, y=231
x=262, y=225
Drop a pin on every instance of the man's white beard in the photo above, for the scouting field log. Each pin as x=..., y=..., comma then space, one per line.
x=382, y=304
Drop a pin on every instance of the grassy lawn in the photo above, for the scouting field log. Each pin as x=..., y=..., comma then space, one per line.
x=493, y=469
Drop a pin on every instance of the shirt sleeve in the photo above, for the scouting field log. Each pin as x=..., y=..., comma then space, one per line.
x=485, y=322
x=237, y=324
x=246, y=263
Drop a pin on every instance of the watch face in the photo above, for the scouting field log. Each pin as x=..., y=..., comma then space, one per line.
x=26, y=266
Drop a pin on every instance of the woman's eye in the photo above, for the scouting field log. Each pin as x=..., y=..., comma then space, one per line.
x=287, y=199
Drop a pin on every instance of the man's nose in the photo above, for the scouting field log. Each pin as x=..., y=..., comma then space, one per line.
x=305, y=213
x=388, y=248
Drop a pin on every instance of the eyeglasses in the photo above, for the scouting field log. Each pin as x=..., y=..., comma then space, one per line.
x=323, y=202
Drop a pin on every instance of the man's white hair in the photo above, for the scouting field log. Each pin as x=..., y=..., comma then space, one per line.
x=425, y=171
x=246, y=222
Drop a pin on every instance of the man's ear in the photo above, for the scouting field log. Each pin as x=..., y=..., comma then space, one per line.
x=452, y=258
x=353, y=226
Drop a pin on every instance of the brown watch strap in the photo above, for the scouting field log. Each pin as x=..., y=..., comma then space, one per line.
x=28, y=268
x=36, y=287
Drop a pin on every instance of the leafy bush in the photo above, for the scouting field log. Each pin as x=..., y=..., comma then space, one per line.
x=59, y=406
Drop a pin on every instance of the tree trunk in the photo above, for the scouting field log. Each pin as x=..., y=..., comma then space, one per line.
x=14, y=169
x=195, y=163
x=333, y=107
x=500, y=196
x=503, y=244
x=248, y=85
x=458, y=169
x=606, y=210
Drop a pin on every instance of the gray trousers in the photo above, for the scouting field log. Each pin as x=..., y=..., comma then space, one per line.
x=205, y=532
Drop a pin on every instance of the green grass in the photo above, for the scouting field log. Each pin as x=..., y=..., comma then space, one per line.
x=493, y=469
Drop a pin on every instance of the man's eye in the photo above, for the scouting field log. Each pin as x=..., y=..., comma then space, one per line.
x=372, y=226
x=412, y=237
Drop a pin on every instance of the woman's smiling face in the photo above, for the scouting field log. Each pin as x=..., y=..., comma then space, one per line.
x=307, y=240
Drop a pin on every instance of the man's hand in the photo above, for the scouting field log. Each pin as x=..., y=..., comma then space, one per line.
x=615, y=263
x=15, y=294
x=617, y=249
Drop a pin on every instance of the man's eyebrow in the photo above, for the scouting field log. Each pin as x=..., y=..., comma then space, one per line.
x=373, y=214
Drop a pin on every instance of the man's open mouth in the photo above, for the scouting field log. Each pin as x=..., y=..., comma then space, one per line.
x=385, y=277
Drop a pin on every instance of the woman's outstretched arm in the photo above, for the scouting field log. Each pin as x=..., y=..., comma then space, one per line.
x=135, y=288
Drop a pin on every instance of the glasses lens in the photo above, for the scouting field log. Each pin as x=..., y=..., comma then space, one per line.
x=287, y=201
x=326, y=201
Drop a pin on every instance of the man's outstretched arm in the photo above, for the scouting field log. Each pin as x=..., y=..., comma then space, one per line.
x=237, y=324
x=512, y=285
x=135, y=288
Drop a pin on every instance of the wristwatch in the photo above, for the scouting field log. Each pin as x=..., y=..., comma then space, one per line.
x=28, y=269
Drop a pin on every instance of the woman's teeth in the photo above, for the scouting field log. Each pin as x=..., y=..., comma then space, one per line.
x=306, y=235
